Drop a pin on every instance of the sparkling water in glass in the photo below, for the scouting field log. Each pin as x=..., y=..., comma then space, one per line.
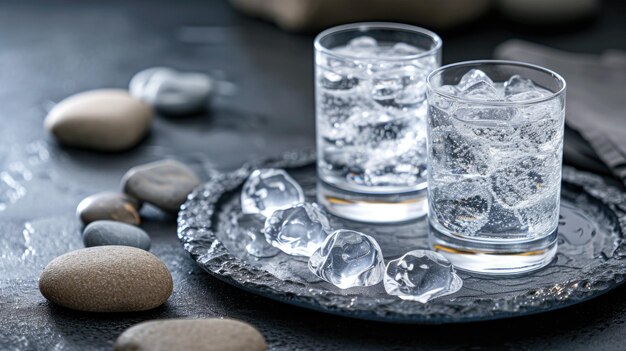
x=370, y=81
x=495, y=143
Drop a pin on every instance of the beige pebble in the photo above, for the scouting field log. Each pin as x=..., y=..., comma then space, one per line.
x=102, y=120
x=191, y=335
x=107, y=279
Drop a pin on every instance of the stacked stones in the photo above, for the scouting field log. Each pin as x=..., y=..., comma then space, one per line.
x=112, y=217
x=115, y=272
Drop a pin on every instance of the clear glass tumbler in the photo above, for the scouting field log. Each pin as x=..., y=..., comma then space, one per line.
x=370, y=87
x=495, y=143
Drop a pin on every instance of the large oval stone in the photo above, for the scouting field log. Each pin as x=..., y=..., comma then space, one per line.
x=164, y=184
x=109, y=205
x=191, y=335
x=107, y=279
x=102, y=233
x=103, y=120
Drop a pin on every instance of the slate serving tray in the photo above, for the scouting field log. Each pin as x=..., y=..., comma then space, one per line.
x=589, y=261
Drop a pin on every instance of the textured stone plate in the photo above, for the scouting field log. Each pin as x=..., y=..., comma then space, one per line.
x=589, y=262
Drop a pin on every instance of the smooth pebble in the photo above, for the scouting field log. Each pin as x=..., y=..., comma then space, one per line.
x=102, y=120
x=172, y=92
x=107, y=279
x=109, y=205
x=191, y=335
x=102, y=233
x=164, y=184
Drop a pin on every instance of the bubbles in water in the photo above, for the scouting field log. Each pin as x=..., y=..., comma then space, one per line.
x=462, y=207
x=544, y=134
x=385, y=87
x=421, y=275
x=454, y=153
x=484, y=113
x=541, y=216
x=400, y=89
x=498, y=135
x=371, y=115
x=347, y=259
x=337, y=81
x=523, y=181
x=299, y=230
x=268, y=190
x=493, y=168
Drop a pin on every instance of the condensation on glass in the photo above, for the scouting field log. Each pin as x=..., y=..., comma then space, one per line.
x=370, y=87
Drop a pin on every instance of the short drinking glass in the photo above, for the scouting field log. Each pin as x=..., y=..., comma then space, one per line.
x=495, y=143
x=370, y=86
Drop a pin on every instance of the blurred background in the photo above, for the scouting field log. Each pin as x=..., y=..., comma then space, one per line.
x=261, y=53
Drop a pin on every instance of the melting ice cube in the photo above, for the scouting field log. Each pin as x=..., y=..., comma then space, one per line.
x=298, y=230
x=404, y=49
x=517, y=84
x=268, y=190
x=525, y=180
x=462, y=207
x=347, y=259
x=421, y=275
x=251, y=225
x=473, y=77
x=457, y=154
x=362, y=43
x=481, y=90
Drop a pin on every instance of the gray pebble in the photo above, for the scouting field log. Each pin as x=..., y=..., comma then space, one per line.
x=109, y=205
x=172, y=92
x=102, y=233
x=102, y=120
x=164, y=184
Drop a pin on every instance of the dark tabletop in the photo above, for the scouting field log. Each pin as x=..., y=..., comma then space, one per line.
x=51, y=50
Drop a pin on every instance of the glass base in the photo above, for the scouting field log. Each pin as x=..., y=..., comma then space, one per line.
x=494, y=257
x=372, y=208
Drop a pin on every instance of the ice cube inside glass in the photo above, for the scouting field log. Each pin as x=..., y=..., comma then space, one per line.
x=495, y=144
x=370, y=86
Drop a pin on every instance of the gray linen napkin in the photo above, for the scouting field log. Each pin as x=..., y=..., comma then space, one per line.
x=596, y=102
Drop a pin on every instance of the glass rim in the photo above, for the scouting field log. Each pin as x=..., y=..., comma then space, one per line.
x=364, y=26
x=551, y=73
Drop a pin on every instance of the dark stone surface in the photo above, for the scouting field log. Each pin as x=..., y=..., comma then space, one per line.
x=50, y=50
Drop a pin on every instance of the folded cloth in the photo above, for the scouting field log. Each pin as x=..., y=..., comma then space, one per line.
x=596, y=102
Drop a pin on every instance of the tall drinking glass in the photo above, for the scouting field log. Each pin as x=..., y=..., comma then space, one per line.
x=370, y=87
x=495, y=143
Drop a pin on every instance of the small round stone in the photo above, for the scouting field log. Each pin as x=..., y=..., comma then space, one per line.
x=102, y=233
x=172, y=92
x=164, y=184
x=107, y=279
x=102, y=120
x=109, y=206
x=191, y=335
